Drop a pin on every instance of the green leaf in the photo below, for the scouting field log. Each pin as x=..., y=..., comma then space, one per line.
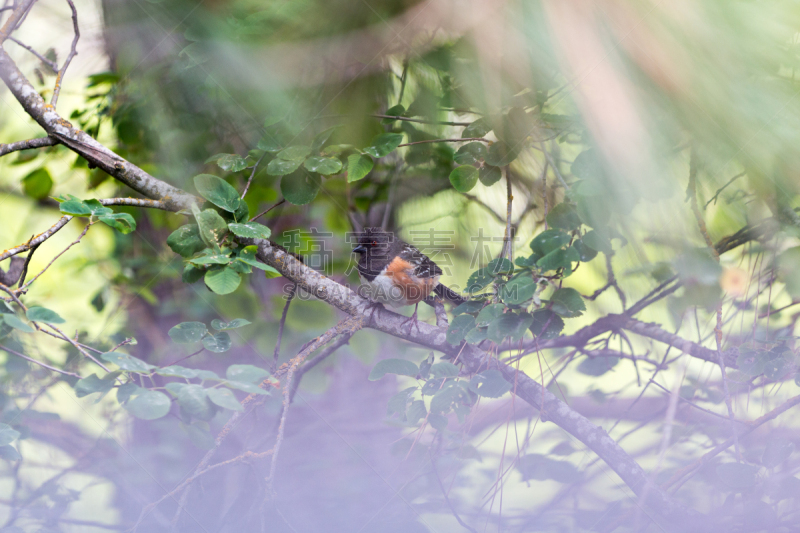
x=776, y=452
x=300, y=188
x=217, y=191
x=122, y=222
x=444, y=369
x=479, y=280
x=7, y=434
x=470, y=307
x=75, y=207
x=281, y=167
x=394, y=111
x=567, y=303
x=548, y=241
x=247, y=255
x=393, y=366
x=97, y=208
x=9, y=453
x=177, y=372
x=518, y=290
x=186, y=241
x=253, y=230
x=323, y=165
x=596, y=241
x=511, y=325
x=211, y=226
x=737, y=476
x=294, y=153
x=127, y=362
x=194, y=401
x=459, y=327
x=15, y=322
x=437, y=421
x=597, y=366
x=38, y=184
x=188, y=332
x=489, y=384
x=559, y=259
x=397, y=403
x=225, y=399
x=476, y=335
x=488, y=314
x=219, y=343
x=479, y=128
x=546, y=324
x=219, y=325
x=464, y=178
x=586, y=253
x=384, y=144
x=42, y=314
x=564, y=216
x=211, y=259
x=223, y=280
x=358, y=166
x=490, y=175
x=269, y=142
x=416, y=412
x=470, y=154
x=246, y=373
x=442, y=401
x=501, y=154
x=228, y=162
x=501, y=265
x=91, y=384
x=125, y=391
x=149, y=405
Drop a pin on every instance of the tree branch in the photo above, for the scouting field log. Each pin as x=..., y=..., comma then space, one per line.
x=39, y=142
x=82, y=143
x=72, y=53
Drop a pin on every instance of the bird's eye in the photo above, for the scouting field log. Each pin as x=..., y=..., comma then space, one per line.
x=374, y=243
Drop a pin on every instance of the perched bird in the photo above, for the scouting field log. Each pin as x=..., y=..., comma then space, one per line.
x=396, y=273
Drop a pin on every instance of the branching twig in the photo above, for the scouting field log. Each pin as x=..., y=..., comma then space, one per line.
x=43, y=365
x=252, y=175
x=52, y=64
x=281, y=325
x=20, y=10
x=261, y=214
x=22, y=288
x=324, y=354
x=420, y=121
x=73, y=51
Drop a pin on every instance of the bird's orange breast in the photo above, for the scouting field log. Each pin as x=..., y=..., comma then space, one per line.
x=414, y=288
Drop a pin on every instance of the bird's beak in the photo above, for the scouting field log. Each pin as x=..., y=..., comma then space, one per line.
x=360, y=249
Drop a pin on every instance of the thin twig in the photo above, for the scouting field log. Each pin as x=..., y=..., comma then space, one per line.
x=268, y=210
x=447, y=499
x=324, y=354
x=507, y=241
x=21, y=281
x=252, y=174
x=43, y=365
x=701, y=224
x=52, y=64
x=19, y=12
x=248, y=455
x=22, y=288
x=281, y=324
x=39, y=142
x=72, y=53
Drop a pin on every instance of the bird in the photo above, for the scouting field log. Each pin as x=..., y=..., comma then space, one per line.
x=397, y=273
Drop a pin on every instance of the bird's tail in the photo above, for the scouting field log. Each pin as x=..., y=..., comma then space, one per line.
x=449, y=294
